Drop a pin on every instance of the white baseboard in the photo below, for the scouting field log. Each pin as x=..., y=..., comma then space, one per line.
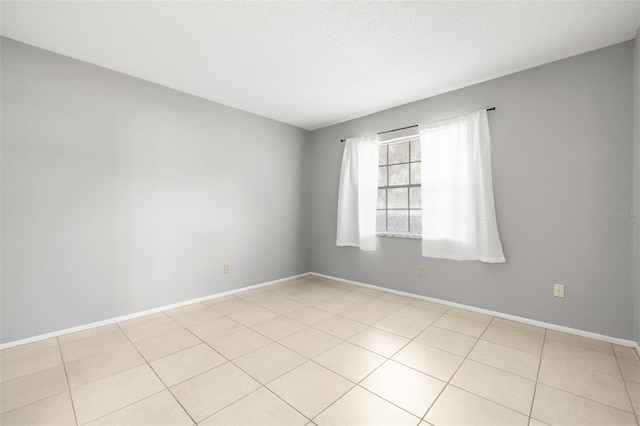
x=596, y=336
x=142, y=313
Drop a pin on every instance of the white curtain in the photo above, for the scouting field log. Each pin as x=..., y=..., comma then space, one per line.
x=357, y=194
x=458, y=210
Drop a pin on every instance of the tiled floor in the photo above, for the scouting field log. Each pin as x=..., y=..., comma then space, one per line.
x=315, y=351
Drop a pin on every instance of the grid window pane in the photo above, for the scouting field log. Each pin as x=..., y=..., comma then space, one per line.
x=415, y=221
x=399, y=194
x=415, y=150
x=382, y=198
x=382, y=155
x=397, y=198
x=415, y=198
x=399, y=175
x=381, y=221
x=382, y=176
x=415, y=173
x=398, y=153
x=398, y=220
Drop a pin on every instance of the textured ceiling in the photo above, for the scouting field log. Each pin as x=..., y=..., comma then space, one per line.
x=312, y=64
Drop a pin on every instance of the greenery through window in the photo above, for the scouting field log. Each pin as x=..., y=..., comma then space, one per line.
x=399, y=204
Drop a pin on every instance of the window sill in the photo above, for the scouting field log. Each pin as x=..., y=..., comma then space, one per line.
x=388, y=234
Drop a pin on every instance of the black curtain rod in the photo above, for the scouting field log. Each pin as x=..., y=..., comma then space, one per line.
x=411, y=127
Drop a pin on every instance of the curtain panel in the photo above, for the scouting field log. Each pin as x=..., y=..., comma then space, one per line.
x=357, y=193
x=458, y=210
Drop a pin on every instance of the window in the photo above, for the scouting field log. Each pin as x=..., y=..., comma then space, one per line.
x=399, y=205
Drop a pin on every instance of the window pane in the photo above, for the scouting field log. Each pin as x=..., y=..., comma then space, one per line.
x=381, y=221
x=415, y=221
x=398, y=152
x=415, y=172
x=397, y=198
x=415, y=150
x=382, y=155
x=415, y=195
x=382, y=198
x=382, y=176
x=399, y=209
x=399, y=175
x=398, y=221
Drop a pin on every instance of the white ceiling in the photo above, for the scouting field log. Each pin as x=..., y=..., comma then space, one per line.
x=312, y=64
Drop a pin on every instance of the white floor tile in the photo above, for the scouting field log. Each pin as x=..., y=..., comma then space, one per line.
x=405, y=387
x=458, y=407
x=261, y=407
x=361, y=407
x=310, y=388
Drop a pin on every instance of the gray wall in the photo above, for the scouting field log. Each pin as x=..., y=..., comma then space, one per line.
x=562, y=149
x=119, y=195
x=636, y=190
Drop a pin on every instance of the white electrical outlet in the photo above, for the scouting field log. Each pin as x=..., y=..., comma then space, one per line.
x=226, y=268
x=421, y=270
x=558, y=290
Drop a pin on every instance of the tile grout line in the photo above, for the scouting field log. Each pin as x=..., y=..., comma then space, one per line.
x=202, y=342
x=472, y=393
x=453, y=375
x=230, y=360
x=495, y=314
x=498, y=368
x=227, y=360
x=373, y=297
x=126, y=406
x=64, y=366
x=304, y=356
x=24, y=376
x=389, y=358
x=581, y=367
x=165, y=315
x=390, y=402
x=156, y=374
x=357, y=384
x=276, y=312
x=535, y=386
x=264, y=385
x=250, y=393
x=336, y=400
x=234, y=364
x=35, y=402
x=368, y=326
x=343, y=340
x=590, y=399
x=626, y=387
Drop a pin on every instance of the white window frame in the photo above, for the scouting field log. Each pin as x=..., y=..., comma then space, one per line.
x=413, y=136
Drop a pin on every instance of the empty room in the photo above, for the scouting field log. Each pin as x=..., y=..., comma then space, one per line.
x=319, y=213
